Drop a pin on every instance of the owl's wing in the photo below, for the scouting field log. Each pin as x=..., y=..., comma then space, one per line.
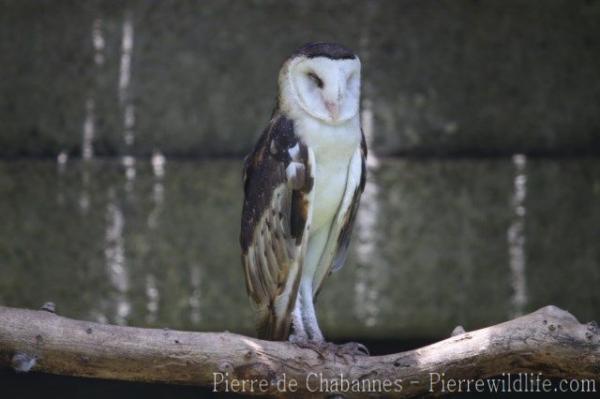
x=278, y=194
x=336, y=249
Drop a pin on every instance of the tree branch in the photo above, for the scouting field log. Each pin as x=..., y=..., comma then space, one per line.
x=550, y=341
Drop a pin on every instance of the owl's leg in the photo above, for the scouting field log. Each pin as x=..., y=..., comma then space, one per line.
x=300, y=335
x=304, y=313
x=316, y=246
x=316, y=341
x=309, y=335
x=305, y=332
x=298, y=331
x=309, y=315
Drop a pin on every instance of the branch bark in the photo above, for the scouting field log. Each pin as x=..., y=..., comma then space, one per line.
x=549, y=341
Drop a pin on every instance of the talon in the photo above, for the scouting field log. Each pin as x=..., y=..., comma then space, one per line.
x=363, y=349
x=317, y=347
x=353, y=349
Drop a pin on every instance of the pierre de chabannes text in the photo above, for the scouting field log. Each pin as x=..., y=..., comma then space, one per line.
x=436, y=382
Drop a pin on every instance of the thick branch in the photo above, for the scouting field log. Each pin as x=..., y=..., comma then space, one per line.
x=550, y=341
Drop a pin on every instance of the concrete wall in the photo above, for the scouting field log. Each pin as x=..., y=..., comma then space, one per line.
x=444, y=77
x=430, y=247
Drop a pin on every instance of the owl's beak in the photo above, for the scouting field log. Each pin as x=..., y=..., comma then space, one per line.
x=333, y=109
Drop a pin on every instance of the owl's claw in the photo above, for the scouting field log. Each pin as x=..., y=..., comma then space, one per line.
x=352, y=349
x=319, y=347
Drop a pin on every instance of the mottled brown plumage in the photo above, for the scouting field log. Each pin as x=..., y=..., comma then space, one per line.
x=273, y=227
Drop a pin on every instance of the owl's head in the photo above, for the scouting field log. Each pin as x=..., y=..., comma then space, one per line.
x=321, y=80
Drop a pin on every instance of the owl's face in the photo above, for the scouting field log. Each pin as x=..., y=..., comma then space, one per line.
x=326, y=89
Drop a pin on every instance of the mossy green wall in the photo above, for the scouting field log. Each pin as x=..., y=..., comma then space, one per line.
x=444, y=77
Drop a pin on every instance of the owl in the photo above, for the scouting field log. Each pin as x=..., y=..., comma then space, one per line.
x=302, y=186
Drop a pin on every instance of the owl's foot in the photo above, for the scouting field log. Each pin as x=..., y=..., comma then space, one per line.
x=352, y=349
x=322, y=348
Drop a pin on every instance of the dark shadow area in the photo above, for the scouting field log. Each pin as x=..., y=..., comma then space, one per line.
x=36, y=385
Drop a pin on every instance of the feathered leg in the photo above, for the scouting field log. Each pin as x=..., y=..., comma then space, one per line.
x=309, y=315
x=298, y=331
x=307, y=333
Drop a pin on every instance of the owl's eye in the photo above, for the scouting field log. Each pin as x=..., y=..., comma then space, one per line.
x=317, y=80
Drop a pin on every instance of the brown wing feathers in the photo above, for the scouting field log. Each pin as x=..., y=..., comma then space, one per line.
x=274, y=217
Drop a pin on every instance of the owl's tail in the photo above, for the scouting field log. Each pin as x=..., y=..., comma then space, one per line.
x=270, y=326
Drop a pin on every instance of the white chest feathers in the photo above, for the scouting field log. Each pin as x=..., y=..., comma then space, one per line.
x=333, y=147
